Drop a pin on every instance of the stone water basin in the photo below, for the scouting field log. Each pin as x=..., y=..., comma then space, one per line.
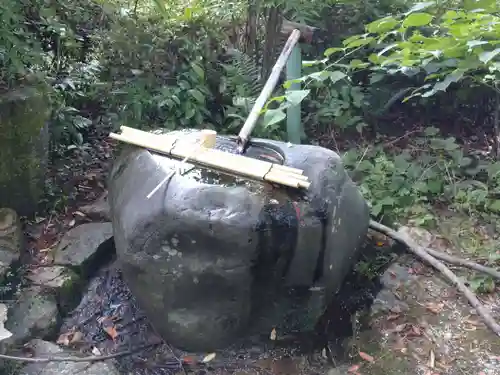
x=209, y=252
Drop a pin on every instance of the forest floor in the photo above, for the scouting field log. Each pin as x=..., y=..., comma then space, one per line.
x=419, y=323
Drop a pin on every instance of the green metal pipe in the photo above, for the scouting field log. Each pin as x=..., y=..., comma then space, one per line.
x=293, y=116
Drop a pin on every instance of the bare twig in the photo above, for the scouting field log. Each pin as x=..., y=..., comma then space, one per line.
x=421, y=253
x=93, y=358
x=464, y=263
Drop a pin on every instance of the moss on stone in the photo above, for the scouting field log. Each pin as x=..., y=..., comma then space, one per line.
x=69, y=291
x=23, y=117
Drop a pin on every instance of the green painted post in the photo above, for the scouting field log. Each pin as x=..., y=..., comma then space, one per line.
x=293, y=118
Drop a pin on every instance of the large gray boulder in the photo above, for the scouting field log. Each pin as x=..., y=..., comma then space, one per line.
x=209, y=252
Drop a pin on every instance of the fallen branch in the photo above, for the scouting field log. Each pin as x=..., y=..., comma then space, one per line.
x=93, y=358
x=465, y=263
x=421, y=253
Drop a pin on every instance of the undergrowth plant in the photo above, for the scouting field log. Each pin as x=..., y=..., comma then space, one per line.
x=431, y=171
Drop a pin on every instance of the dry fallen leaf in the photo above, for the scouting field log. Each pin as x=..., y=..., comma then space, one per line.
x=81, y=214
x=188, y=360
x=399, y=328
x=108, y=326
x=208, y=358
x=111, y=331
x=272, y=336
x=434, y=307
x=68, y=338
x=366, y=357
x=393, y=317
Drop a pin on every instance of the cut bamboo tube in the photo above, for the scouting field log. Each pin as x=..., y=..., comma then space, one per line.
x=293, y=175
x=282, y=180
x=209, y=137
x=205, y=134
x=213, y=158
x=283, y=176
x=288, y=169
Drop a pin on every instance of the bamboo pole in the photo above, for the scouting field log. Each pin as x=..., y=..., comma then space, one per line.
x=267, y=90
x=199, y=151
x=288, y=169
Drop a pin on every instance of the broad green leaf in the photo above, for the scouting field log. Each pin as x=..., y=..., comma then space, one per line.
x=360, y=42
x=475, y=43
x=376, y=77
x=188, y=13
x=356, y=63
x=495, y=205
x=431, y=131
x=290, y=82
x=417, y=19
x=481, y=5
x=198, y=70
x=420, y=6
x=486, y=57
x=296, y=96
x=377, y=209
x=337, y=75
x=320, y=76
x=382, y=25
x=453, y=77
x=197, y=95
x=273, y=116
x=353, y=38
x=331, y=51
x=357, y=96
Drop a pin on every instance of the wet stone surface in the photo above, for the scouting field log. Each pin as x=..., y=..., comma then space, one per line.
x=83, y=245
x=34, y=314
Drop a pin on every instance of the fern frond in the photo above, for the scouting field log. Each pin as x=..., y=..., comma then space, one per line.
x=243, y=75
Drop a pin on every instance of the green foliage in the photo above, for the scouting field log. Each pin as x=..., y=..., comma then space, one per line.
x=433, y=171
x=446, y=45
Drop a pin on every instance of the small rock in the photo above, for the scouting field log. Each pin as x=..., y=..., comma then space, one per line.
x=11, y=239
x=34, y=314
x=64, y=283
x=81, y=246
x=98, y=210
x=43, y=348
x=395, y=275
x=4, y=334
x=386, y=301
